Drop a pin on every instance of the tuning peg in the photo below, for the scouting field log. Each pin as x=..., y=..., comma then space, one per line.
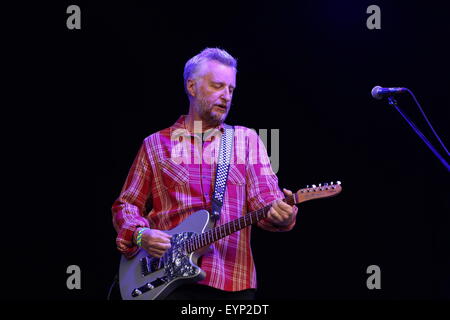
x=313, y=185
x=307, y=186
x=320, y=185
x=338, y=182
x=332, y=182
x=325, y=184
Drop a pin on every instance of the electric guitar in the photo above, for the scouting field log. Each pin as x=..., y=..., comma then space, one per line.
x=144, y=277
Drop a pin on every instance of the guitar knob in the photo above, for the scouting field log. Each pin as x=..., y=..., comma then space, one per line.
x=136, y=293
x=338, y=182
x=313, y=185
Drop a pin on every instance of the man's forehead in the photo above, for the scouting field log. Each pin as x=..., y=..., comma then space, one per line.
x=218, y=71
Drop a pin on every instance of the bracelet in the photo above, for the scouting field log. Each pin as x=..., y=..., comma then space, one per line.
x=139, y=236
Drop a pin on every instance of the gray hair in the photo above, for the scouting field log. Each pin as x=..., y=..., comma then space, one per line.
x=192, y=66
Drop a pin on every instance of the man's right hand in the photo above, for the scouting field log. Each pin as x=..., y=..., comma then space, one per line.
x=155, y=242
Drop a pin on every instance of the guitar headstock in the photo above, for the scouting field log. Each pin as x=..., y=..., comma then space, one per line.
x=317, y=192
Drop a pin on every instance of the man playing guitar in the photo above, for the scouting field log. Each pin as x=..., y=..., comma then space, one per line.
x=174, y=173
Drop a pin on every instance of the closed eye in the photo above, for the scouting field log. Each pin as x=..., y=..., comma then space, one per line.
x=217, y=85
x=220, y=85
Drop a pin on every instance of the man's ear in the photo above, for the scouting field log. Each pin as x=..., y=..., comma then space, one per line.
x=190, y=86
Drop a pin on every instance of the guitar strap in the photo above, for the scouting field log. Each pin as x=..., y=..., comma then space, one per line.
x=223, y=167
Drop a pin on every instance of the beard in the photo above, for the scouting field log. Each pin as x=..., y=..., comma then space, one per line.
x=210, y=116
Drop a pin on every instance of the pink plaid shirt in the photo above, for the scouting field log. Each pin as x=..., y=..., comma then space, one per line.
x=173, y=173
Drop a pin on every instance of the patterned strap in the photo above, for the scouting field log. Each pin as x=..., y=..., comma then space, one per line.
x=223, y=166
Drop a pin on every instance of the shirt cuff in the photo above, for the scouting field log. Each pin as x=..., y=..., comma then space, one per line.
x=125, y=243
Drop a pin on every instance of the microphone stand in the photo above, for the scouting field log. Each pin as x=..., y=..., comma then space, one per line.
x=393, y=103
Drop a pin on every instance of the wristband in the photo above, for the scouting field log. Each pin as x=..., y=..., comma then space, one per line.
x=139, y=236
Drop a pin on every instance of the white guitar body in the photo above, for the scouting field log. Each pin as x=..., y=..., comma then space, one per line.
x=137, y=278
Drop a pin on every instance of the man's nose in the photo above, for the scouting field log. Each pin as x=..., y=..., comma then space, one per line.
x=226, y=95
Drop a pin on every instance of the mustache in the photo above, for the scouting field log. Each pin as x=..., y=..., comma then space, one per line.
x=204, y=104
x=223, y=105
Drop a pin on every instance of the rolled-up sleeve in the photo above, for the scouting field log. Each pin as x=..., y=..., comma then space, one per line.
x=129, y=209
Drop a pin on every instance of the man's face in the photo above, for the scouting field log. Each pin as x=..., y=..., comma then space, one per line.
x=213, y=92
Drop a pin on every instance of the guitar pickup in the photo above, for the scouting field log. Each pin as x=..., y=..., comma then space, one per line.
x=145, y=266
x=149, y=265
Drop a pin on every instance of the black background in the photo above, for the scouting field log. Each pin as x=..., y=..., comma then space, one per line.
x=87, y=98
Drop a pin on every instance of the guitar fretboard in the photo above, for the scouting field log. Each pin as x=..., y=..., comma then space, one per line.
x=210, y=236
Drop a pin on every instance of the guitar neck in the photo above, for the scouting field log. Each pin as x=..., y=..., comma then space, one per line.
x=215, y=234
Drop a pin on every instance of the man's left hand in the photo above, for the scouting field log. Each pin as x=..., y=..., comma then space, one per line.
x=281, y=214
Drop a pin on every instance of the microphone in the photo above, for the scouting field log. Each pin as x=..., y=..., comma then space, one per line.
x=379, y=92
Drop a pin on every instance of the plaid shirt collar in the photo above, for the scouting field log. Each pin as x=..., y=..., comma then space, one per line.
x=179, y=128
